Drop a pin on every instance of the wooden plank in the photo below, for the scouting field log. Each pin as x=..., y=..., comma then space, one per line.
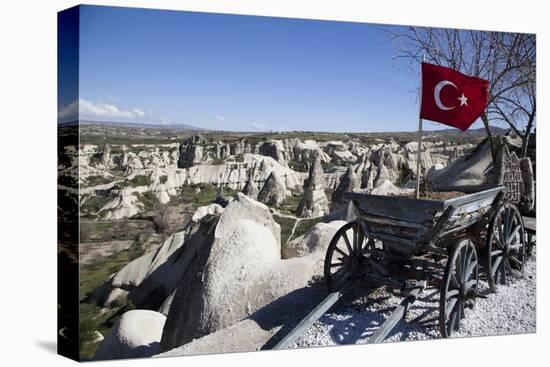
x=394, y=211
x=467, y=189
x=401, y=201
x=398, y=314
x=307, y=321
x=392, y=238
x=530, y=224
x=474, y=206
x=390, y=221
x=466, y=199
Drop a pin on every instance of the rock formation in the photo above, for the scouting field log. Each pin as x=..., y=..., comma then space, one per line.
x=136, y=334
x=314, y=241
x=150, y=279
x=314, y=201
x=273, y=191
x=250, y=189
x=348, y=182
x=235, y=274
x=106, y=155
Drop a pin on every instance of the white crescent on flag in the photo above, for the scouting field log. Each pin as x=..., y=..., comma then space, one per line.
x=437, y=94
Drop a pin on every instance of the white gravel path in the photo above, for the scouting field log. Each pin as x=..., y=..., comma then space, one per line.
x=510, y=311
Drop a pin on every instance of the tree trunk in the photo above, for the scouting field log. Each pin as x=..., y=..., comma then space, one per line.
x=489, y=135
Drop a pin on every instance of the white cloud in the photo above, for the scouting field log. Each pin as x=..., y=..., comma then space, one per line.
x=221, y=118
x=89, y=109
x=68, y=112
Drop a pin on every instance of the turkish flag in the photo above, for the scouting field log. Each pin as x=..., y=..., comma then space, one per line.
x=452, y=98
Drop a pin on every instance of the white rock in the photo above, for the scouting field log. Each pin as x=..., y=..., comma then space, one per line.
x=135, y=335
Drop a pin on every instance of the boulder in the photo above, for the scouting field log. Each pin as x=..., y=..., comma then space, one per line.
x=202, y=211
x=238, y=272
x=388, y=188
x=136, y=334
x=273, y=191
x=316, y=240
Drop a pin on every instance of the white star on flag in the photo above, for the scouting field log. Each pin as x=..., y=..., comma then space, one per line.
x=463, y=100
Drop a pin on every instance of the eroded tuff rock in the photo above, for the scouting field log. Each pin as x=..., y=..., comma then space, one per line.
x=151, y=278
x=314, y=201
x=314, y=241
x=273, y=191
x=348, y=182
x=106, y=155
x=136, y=334
x=237, y=273
x=250, y=188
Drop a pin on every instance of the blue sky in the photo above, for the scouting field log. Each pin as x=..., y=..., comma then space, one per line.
x=244, y=73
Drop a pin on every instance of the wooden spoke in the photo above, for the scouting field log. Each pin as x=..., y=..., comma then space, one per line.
x=470, y=270
x=341, y=252
x=505, y=245
x=459, y=286
x=341, y=266
x=452, y=293
x=348, y=243
x=450, y=306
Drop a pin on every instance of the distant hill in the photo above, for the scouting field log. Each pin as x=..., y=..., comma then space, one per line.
x=142, y=125
x=480, y=131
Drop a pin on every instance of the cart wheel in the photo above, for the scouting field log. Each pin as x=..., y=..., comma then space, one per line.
x=346, y=252
x=505, y=247
x=459, y=286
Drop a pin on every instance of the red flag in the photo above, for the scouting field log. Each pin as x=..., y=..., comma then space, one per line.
x=452, y=98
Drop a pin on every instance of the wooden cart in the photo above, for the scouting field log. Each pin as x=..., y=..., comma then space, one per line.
x=396, y=240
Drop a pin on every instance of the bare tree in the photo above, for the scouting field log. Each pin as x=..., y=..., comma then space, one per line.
x=506, y=60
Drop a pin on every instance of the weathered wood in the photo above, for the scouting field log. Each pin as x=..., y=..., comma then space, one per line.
x=392, y=238
x=399, y=201
x=390, y=221
x=530, y=224
x=398, y=314
x=528, y=200
x=431, y=234
x=466, y=199
x=306, y=322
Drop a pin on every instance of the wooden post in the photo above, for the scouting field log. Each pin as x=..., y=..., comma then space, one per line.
x=419, y=151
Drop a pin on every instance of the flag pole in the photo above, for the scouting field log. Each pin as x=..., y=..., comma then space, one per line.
x=419, y=147
x=419, y=150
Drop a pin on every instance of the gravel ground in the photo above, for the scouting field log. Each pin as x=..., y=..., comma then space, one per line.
x=510, y=311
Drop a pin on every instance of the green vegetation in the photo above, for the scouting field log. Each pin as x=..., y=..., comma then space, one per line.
x=286, y=227
x=298, y=166
x=91, y=277
x=94, y=204
x=305, y=225
x=290, y=204
x=327, y=165
x=98, y=180
x=199, y=195
x=149, y=200
x=137, y=180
